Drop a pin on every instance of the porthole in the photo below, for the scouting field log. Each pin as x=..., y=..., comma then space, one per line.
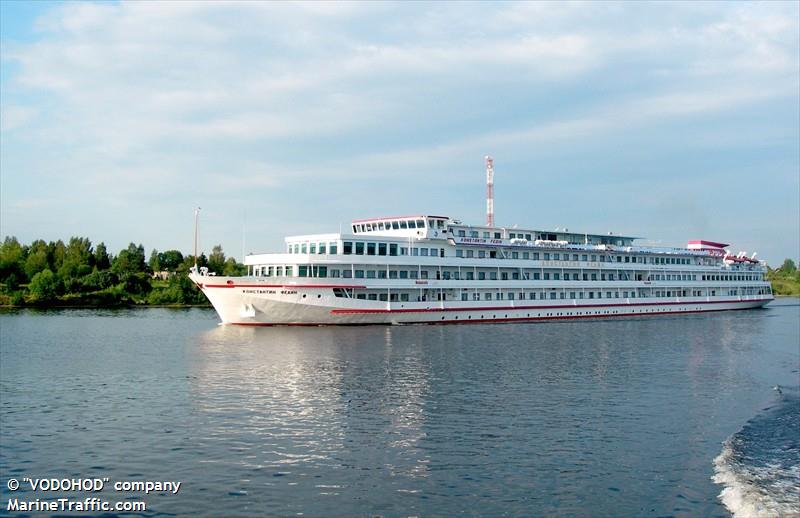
x=304, y=295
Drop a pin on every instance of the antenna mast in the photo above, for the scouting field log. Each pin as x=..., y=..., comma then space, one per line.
x=489, y=191
x=196, y=218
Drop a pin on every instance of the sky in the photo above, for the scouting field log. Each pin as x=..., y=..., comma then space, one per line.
x=671, y=121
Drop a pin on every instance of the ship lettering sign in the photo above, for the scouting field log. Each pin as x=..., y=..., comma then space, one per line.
x=288, y=292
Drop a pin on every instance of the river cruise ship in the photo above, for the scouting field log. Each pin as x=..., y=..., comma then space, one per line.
x=435, y=269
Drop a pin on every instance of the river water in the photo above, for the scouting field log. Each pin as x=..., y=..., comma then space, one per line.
x=648, y=416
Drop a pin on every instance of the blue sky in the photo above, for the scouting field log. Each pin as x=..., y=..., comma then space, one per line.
x=673, y=121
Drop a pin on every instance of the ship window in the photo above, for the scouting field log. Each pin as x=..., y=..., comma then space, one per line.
x=526, y=255
x=546, y=276
x=359, y=274
x=347, y=274
x=555, y=276
x=528, y=237
x=511, y=296
x=332, y=248
x=393, y=249
x=403, y=224
x=473, y=233
x=485, y=235
x=322, y=248
x=403, y=274
x=470, y=253
x=515, y=276
x=487, y=296
x=515, y=255
x=302, y=271
x=536, y=276
x=493, y=276
x=312, y=248
x=381, y=274
x=359, y=248
x=383, y=297
x=481, y=254
x=512, y=235
x=412, y=224
x=462, y=233
x=403, y=250
x=546, y=256
x=395, y=225
x=381, y=248
x=370, y=248
x=423, y=251
x=433, y=252
x=372, y=296
x=459, y=252
x=370, y=274
x=303, y=248
x=412, y=274
x=420, y=223
x=414, y=251
x=504, y=276
x=497, y=235
x=572, y=294
x=470, y=276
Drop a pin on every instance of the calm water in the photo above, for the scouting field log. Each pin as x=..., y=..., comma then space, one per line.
x=593, y=418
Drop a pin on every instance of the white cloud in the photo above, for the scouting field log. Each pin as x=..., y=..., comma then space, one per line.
x=261, y=95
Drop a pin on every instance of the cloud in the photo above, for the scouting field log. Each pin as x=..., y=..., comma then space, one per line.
x=135, y=102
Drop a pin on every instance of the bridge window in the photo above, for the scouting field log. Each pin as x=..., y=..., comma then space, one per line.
x=412, y=224
x=420, y=223
x=395, y=225
x=403, y=224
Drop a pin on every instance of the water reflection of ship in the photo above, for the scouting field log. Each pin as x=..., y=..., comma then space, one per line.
x=314, y=396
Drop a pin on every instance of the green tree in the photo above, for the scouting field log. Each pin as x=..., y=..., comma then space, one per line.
x=78, y=259
x=129, y=261
x=232, y=268
x=788, y=266
x=170, y=260
x=101, y=260
x=56, y=251
x=38, y=258
x=12, y=262
x=155, y=261
x=45, y=286
x=216, y=261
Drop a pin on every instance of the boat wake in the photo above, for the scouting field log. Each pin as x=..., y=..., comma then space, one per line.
x=759, y=466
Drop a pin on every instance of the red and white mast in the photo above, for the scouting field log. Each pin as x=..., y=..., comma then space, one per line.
x=489, y=191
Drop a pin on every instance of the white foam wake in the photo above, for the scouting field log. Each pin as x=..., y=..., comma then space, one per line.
x=749, y=492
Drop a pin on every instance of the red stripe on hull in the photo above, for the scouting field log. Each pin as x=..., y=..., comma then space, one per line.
x=519, y=308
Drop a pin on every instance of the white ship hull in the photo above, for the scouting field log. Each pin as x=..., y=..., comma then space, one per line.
x=259, y=301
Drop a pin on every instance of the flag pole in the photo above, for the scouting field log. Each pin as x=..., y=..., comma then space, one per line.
x=196, y=219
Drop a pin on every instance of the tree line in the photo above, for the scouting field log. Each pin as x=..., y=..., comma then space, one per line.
x=786, y=279
x=79, y=273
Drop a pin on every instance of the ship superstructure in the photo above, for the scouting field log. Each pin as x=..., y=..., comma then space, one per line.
x=436, y=269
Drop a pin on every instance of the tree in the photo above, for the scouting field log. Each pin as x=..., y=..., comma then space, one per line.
x=232, y=268
x=170, y=260
x=154, y=263
x=101, y=259
x=216, y=261
x=12, y=262
x=38, y=258
x=788, y=266
x=45, y=286
x=129, y=261
x=78, y=259
x=55, y=254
